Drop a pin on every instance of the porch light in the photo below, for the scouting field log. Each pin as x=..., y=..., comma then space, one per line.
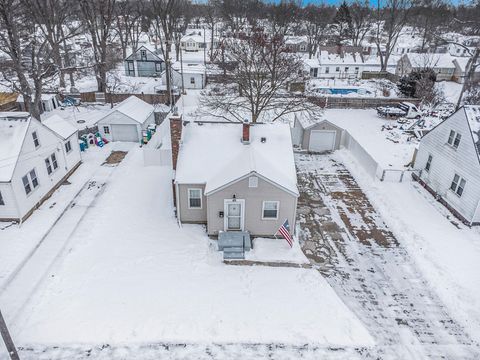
x=234, y=198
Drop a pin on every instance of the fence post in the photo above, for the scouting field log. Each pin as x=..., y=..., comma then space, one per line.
x=383, y=175
x=401, y=176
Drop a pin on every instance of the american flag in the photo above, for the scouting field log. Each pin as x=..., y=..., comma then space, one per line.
x=284, y=230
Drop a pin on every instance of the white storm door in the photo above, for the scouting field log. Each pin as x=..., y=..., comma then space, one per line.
x=234, y=212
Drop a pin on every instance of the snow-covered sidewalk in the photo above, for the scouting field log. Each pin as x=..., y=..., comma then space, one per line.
x=132, y=276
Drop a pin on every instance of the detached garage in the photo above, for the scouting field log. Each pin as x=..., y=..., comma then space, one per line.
x=127, y=120
x=316, y=136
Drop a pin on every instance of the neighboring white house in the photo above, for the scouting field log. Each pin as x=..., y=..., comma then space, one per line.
x=197, y=40
x=449, y=160
x=236, y=177
x=35, y=158
x=127, y=120
x=49, y=102
x=315, y=135
x=194, y=76
x=348, y=66
x=441, y=64
x=458, y=50
x=297, y=43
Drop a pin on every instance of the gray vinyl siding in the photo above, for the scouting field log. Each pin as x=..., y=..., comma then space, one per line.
x=254, y=198
x=324, y=125
x=191, y=215
x=448, y=161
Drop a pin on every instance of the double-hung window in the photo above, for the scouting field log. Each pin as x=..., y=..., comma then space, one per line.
x=30, y=181
x=106, y=130
x=458, y=185
x=194, y=198
x=428, y=165
x=68, y=147
x=36, y=142
x=51, y=164
x=454, y=139
x=270, y=210
x=1, y=199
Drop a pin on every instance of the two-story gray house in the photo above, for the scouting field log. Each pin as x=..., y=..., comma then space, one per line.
x=143, y=62
x=236, y=177
x=449, y=160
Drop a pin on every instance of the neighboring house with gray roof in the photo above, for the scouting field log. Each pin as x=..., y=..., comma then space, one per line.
x=449, y=163
x=143, y=62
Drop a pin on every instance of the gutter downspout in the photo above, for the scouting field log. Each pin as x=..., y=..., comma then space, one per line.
x=177, y=200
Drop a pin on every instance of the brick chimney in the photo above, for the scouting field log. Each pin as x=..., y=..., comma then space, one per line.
x=246, y=133
x=175, y=136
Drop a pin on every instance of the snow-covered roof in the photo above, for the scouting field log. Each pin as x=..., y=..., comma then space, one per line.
x=189, y=68
x=432, y=60
x=295, y=40
x=462, y=63
x=472, y=112
x=59, y=126
x=151, y=54
x=134, y=108
x=45, y=97
x=13, y=128
x=213, y=154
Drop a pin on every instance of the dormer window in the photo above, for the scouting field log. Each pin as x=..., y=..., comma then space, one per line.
x=36, y=142
x=454, y=139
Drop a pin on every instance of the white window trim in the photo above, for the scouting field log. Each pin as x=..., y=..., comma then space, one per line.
x=2, y=200
x=263, y=209
x=30, y=182
x=460, y=178
x=188, y=198
x=36, y=137
x=428, y=164
x=253, y=179
x=107, y=128
x=65, y=145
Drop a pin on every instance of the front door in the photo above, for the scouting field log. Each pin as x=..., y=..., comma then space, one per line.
x=234, y=215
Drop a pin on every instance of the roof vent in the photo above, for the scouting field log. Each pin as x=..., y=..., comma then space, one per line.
x=263, y=140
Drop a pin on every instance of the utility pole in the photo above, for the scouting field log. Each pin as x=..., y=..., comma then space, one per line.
x=7, y=339
x=181, y=70
x=204, y=48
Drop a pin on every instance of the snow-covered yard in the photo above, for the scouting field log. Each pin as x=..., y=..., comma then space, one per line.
x=387, y=148
x=132, y=275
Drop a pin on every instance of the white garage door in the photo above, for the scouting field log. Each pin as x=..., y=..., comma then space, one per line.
x=322, y=140
x=124, y=132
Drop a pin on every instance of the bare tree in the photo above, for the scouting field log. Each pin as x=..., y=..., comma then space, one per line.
x=361, y=21
x=390, y=20
x=53, y=17
x=257, y=88
x=317, y=19
x=165, y=17
x=128, y=23
x=29, y=64
x=98, y=19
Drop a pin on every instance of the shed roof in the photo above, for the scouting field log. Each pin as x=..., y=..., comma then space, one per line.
x=134, y=108
x=213, y=154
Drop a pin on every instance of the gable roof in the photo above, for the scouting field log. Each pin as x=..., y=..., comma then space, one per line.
x=151, y=55
x=60, y=126
x=212, y=154
x=13, y=128
x=133, y=107
x=472, y=112
x=431, y=60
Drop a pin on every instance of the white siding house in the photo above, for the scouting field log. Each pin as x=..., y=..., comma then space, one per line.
x=448, y=158
x=127, y=120
x=194, y=76
x=34, y=161
x=49, y=102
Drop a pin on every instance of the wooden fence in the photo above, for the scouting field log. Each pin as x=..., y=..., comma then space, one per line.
x=148, y=98
x=367, y=75
x=334, y=102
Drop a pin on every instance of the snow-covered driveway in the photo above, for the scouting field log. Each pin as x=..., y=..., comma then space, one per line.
x=374, y=275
